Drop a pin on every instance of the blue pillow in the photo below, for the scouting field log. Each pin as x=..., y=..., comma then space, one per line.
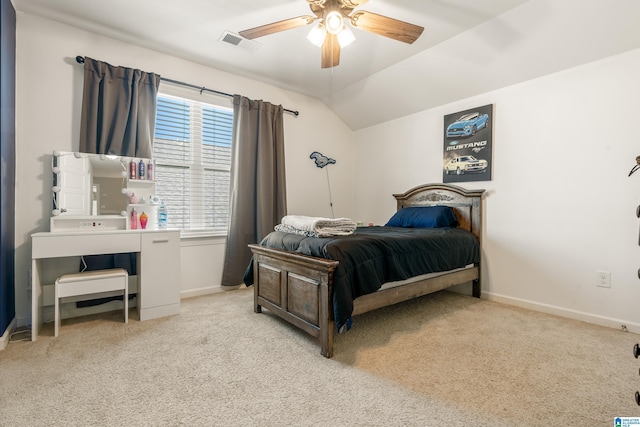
x=424, y=217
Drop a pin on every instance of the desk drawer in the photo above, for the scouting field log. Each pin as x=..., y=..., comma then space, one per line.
x=51, y=245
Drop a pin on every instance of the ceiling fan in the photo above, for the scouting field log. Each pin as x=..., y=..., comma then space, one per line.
x=331, y=31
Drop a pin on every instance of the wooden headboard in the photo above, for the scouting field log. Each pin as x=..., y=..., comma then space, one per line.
x=466, y=203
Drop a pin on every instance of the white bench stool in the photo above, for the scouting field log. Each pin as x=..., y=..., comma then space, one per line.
x=91, y=282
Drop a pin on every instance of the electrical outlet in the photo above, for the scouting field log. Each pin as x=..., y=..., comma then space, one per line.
x=603, y=279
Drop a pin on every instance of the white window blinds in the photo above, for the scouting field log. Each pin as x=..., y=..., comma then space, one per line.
x=192, y=153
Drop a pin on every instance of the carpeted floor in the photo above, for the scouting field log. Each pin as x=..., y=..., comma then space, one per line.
x=444, y=359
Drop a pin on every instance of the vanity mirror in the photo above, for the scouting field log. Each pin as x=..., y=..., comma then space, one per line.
x=96, y=187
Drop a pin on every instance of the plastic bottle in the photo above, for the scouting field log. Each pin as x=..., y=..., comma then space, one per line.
x=134, y=219
x=150, y=171
x=162, y=215
x=143, y=220
x=141, y=169
x=132, y=169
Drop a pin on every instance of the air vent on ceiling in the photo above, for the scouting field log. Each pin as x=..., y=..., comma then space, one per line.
x=238, y=40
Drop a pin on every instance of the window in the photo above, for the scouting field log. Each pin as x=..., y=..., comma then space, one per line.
x=192, y=153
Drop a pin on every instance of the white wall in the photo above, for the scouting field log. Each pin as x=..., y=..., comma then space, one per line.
x=560, y=205
x=49, y=93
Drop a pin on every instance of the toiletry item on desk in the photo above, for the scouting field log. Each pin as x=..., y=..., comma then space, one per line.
x=141, y=169
x=162, y=216
x=143, y=220
x=133, y=169
x=150, y=171
x=134, y=219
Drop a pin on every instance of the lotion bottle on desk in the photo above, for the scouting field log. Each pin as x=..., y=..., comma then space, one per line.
x=143, y=220
x=162, y=216
x=134, y=219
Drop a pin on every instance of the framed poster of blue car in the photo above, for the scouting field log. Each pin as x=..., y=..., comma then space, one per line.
x=467, y=145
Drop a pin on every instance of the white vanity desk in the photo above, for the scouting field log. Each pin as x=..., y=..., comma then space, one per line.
x=158, y=268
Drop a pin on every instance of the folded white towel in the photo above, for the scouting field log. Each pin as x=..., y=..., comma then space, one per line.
x=318, y=226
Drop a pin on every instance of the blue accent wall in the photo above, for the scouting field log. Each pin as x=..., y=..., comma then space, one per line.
x=7, y=163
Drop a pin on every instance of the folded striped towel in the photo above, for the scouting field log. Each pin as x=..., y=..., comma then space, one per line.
x=316, y=226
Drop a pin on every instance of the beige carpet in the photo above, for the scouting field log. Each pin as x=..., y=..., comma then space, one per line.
x=442, y=360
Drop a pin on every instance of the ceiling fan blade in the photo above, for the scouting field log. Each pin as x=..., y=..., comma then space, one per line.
x=385, y=26
x=276, y=27
x=330, y=51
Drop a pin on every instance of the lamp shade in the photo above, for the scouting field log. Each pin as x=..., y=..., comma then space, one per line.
x=345, y=37
x=317, y=34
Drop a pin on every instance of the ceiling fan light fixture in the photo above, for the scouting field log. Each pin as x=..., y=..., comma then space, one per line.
x=331, y=32
x=334, y=22
x=317, y=34
x=345, y=37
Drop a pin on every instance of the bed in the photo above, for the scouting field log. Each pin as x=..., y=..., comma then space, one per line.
x=307, y=291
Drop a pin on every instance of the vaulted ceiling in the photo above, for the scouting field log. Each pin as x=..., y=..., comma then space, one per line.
x=468, y=46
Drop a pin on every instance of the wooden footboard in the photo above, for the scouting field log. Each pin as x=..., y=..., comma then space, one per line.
x=297, y=288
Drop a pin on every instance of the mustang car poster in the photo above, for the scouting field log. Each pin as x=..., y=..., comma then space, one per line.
x=467, y=145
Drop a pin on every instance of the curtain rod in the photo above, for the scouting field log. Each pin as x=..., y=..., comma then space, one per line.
x=80, y=60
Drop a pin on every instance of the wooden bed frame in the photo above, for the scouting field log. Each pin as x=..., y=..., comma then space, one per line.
x=299, y=288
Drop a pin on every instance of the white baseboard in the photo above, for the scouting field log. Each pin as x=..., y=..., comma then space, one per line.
x=564, y=312
x=200, y=291
x=4, y=341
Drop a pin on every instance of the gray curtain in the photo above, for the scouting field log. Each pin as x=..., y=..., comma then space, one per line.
x=118, y=110
x=118, y=118
x=258, y=188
